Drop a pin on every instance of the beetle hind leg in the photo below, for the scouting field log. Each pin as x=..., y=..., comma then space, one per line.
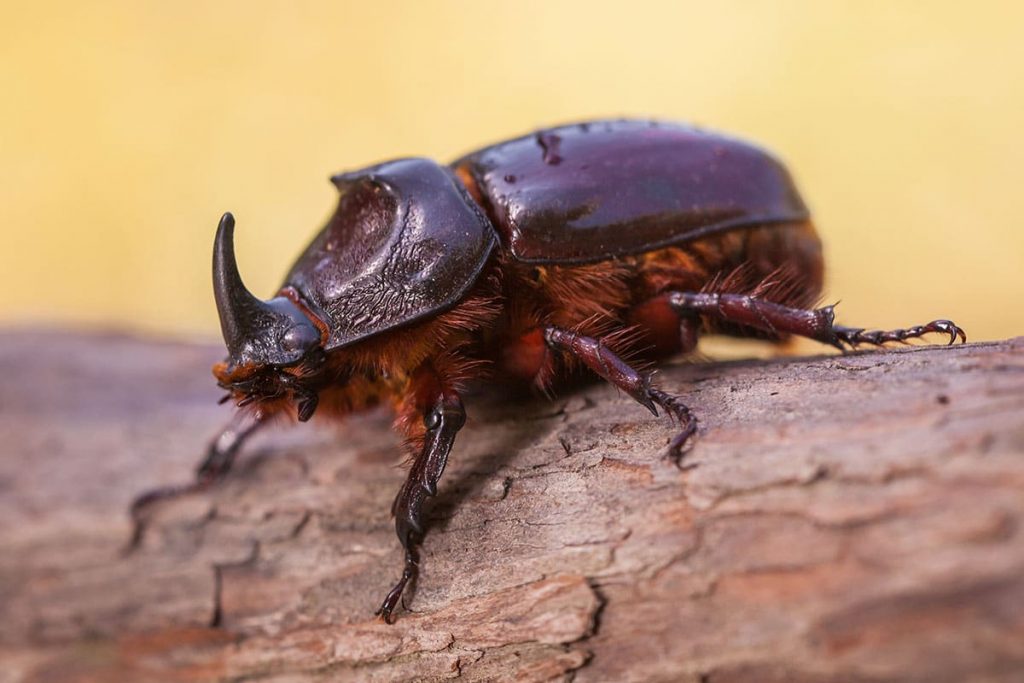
x=818, y=323
x=608, y=365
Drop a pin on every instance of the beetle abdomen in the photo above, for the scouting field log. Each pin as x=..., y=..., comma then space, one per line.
x=593, y=191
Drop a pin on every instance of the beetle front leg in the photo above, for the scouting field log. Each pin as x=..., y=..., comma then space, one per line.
x=220, y=456
x=605, y=363
x=442, y=420
x=818, y=324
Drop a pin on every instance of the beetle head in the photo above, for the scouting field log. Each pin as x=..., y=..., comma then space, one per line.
x=273, y=346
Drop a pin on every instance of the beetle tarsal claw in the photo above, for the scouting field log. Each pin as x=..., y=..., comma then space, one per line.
x=950, y=328
x=646, y=402
x=683, y=442
x=853, y=336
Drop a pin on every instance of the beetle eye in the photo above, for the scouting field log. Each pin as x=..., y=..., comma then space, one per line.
x=299, y=338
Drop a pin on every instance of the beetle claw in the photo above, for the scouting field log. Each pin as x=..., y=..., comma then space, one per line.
x=680, y=445
x=646, y=402
x=682, y=442
x=853, y=336
x=949, y=327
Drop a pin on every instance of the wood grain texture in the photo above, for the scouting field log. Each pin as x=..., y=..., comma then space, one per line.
x=849, y=518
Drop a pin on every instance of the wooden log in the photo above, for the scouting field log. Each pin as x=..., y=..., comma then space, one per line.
x=847, y=518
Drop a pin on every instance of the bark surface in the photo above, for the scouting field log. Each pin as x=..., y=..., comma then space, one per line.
x=848, y=518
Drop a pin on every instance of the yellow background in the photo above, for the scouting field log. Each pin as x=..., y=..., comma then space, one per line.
x=126, y=128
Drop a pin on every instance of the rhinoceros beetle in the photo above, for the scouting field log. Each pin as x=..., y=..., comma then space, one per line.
x=564, y=249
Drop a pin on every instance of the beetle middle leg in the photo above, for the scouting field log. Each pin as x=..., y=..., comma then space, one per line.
x=219, y=458
x=818, y=323
x=442, y=420
x=605, y=363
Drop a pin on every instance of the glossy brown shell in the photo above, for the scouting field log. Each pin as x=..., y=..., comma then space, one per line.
x=405, y=243
x=592, y=191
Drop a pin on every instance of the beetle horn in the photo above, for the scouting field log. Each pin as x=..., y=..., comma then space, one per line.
x=242, y=315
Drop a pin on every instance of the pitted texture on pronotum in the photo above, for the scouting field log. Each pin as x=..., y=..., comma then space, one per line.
x=593, y=247
x=406, y=242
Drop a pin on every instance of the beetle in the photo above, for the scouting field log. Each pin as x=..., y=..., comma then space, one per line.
x=569, y=248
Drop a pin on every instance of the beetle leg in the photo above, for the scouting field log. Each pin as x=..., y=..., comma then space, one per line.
x=220, y=456
x=443, y=421
x=818, y=324
x=605, y=363
x=854, y=336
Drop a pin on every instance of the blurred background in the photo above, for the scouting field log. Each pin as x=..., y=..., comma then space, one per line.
x=127, y=128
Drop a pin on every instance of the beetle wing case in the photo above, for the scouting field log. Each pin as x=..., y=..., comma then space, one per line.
x=406, y=242
x=593, y=191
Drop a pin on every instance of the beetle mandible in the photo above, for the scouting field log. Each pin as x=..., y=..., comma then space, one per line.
x=520, y=262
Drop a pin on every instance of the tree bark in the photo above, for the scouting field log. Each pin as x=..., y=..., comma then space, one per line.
x=846, y=518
